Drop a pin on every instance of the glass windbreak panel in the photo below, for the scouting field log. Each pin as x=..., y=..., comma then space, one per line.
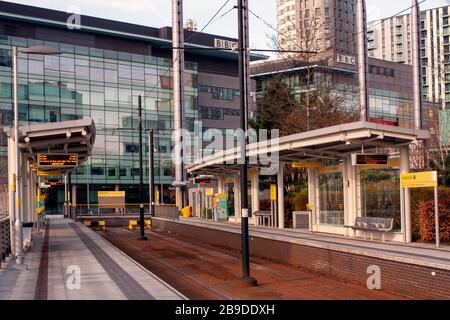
x=380, y=196
x=331, y=193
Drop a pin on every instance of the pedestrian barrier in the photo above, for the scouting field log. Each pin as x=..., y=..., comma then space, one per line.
x=5, y=238
x=132, y=224
x=101, y=224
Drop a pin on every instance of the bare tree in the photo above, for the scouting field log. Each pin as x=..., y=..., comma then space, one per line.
x=318, y=97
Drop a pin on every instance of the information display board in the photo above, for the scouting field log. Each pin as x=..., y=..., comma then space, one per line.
x=362, y=159
x=57, y=160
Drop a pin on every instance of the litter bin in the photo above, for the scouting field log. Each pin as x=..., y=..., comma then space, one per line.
x=186, y=212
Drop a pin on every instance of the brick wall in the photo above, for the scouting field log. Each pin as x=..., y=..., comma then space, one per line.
x=408, y=280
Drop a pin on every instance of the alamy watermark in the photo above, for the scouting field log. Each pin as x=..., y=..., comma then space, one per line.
x=374, y=280
x=226, y=147
x=73, y=281
x=73, y=22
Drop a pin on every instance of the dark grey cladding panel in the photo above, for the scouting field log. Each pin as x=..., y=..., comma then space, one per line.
x=61, y=35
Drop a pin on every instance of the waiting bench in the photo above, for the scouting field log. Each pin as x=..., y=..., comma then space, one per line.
x=373, y=224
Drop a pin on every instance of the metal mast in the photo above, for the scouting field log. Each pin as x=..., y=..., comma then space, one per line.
x=415, y=38
x=178, y=96
x=361, y=31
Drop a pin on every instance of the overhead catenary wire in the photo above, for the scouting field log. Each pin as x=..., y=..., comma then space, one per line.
x=192, y=37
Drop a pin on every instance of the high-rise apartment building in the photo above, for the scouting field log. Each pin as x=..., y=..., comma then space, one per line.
x=390, y=39
x=325, y=26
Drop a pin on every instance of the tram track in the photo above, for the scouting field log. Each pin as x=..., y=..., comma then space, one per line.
x=188, y=285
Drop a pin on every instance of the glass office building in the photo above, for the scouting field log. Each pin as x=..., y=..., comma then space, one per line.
x=102, y=70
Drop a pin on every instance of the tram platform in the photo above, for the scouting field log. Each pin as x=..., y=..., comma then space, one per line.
x=68, y=261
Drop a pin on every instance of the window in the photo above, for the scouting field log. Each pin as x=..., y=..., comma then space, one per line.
x=5, y=58
x=124, y=71
x=97, y=171
x=96, y=74
x=35, y=67
x=111, y=172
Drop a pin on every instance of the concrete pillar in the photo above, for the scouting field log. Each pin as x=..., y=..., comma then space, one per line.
x=312, y=173
x=255, y=192
x=237, y=198
x=220, y=184
x=405, y=204
x=350, y=196
x=280, y=195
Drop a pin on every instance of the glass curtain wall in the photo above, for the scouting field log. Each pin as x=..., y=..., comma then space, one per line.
x=87, y=82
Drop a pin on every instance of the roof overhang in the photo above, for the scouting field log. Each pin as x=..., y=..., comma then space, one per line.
x=75, y=136
x=328, y=143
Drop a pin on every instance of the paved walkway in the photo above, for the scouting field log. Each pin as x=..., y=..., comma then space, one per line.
x=408, y=253
x=72, y=262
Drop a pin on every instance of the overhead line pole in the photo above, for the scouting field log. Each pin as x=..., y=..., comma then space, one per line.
x=178, y=98
x=245, y=280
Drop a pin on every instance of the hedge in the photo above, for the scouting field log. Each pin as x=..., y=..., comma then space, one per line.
x=427, y=218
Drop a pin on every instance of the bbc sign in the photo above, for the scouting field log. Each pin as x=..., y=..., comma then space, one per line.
x=225, y=44
x=345, y=59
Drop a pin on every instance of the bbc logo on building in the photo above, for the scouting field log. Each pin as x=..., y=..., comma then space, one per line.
x=225, y=44
x=345, y=59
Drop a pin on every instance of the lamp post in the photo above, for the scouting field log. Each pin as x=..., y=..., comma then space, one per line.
x=16, y=215
x=141, y=175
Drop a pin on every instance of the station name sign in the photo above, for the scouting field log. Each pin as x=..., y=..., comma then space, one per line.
x=346, y=59
x=419, y=179
x=225, y=44
x=362, y=159
x=57, y=160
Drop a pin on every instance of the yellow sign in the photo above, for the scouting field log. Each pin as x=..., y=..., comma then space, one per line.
x=48, y=173
x=111, y=199
x=220, y=196
x=157, y=195
x=332, y=169
x=273, y=192
x=419, y=179
x=306, y=165
x=111, y=193
x=209, y=192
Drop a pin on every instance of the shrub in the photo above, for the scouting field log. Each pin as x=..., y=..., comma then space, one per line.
x=427, y=217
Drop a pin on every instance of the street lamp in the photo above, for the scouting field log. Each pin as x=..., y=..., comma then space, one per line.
x=16, y=216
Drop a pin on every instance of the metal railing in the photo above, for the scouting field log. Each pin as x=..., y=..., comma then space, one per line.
x=5, y=237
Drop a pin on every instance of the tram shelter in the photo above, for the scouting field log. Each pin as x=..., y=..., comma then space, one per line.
x=331, y=149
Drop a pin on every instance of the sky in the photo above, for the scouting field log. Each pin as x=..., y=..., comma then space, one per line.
x=157, y=13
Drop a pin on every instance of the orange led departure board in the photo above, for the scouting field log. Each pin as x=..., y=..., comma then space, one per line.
x=57, y=160
x=361, y=159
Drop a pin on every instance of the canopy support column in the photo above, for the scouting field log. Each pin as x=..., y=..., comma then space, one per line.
x=280, y=196
x=237, y=198
x=405, y=204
